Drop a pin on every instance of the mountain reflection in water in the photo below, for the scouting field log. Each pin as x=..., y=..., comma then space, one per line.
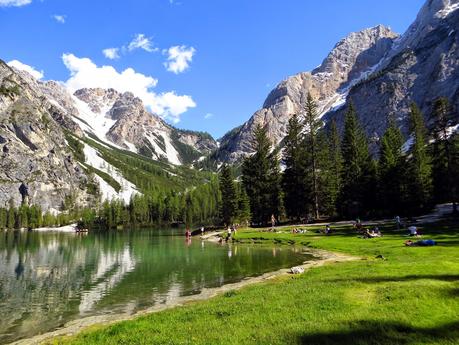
x=48, y=279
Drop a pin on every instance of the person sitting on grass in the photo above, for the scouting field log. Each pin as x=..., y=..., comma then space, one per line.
x=414, y=231
x=421, y=243
x=376, y=232
x=328, y=230
x=371, y=234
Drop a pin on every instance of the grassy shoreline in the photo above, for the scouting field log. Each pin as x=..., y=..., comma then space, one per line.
x=410, y=296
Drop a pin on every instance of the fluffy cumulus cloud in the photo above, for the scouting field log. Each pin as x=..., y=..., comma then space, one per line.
x=85, y=73
x=23, y=67
x=111, y=53
x=179, y=58
x=14, y=3
x=140, y=41
x=60, y=18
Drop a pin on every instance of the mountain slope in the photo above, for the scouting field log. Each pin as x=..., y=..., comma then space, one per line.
x=379, y=71
x=36, y=163
x=121, y=119
x=350, y=60
x=422, y=66
x=60, y=150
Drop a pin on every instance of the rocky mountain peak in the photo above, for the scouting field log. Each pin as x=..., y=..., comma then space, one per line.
x=98, y=99
x=427, y=19
x=350, y=60
x=344, y=56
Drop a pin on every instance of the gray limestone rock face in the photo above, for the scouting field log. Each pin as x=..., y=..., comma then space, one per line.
x=135, y=127
x=33, y=149
x=380, y=72
x=422, y=66
x=349, y=61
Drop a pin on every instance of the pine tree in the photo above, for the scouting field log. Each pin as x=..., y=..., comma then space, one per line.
x=275, y=189
x=312, y=147
x=443, y=177
x=229, y=205
x=391, y=164
x=260, y=175
x=419, y=175
x=356, y=166
x=455, y=168
x=293, y=178
x=243, y=206
x=334, y=168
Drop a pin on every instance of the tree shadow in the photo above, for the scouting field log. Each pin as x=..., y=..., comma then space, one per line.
x=380, y=333
x=385, y=279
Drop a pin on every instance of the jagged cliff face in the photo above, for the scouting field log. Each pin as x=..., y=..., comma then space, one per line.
x=35, y=165
x=379, y=71
x=349, y=61
x=421, y=66
x=121, y=119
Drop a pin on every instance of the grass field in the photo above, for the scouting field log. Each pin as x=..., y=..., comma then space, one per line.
x=410, y=296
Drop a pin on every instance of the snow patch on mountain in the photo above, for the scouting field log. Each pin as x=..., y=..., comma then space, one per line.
x=94, y=159
x=171, y=152
x=95, y=123
x=450, y=8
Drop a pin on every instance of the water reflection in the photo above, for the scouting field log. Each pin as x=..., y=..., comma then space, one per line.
x=111, y=268
x=48, y=279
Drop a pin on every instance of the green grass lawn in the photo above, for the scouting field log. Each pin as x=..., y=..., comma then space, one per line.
x=409, y=297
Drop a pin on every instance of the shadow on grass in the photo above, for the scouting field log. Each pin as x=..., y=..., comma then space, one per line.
x=381, y=333
x=385, y=279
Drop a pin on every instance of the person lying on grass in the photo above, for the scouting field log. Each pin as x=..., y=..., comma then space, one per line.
x=298, y=231
x=372, y=234
x=421, y=243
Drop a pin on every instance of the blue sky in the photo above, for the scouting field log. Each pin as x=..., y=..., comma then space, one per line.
x=240, y=49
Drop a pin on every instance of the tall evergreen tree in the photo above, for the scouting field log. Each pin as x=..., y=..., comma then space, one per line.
x=333, y=169
x=391, y=165
x=260, y=175
x=419, y=174
x=243, y=206
x=229, y=204
x=455, y=169
x=443, y=177
x=313, y=148
x=293, y=178
x=356, y=165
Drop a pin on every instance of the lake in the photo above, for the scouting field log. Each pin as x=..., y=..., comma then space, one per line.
x=48, y=279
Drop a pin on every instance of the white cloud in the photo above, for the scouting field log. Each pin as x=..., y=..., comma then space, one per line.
x=85, y=73
x=60, y=18
x=141, y=42
x=208, y=116
x=179, y=58
x=14, y=3
x=23, y=67
x=111, y=53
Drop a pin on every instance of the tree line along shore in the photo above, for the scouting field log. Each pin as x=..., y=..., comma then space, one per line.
x=317, y=173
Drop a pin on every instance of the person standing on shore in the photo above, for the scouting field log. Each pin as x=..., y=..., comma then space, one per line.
x=273, y=222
